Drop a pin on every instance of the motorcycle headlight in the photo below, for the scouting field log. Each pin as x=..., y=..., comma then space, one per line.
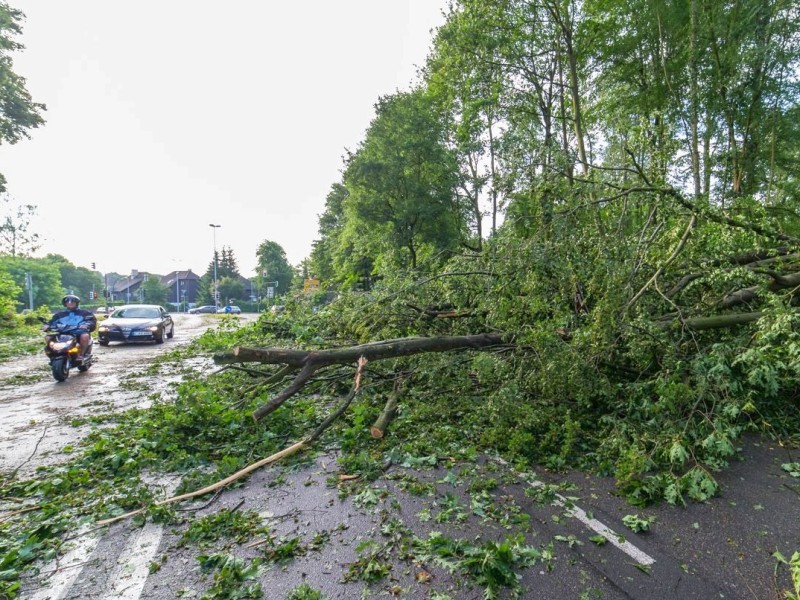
x=59, y=346
x=103, y=328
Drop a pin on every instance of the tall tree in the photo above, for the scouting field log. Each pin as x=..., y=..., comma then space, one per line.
x=16, y=237
x=273, y=266
x=18, y=112
x=42, y=273
x=226, y=266
x=331, y=222
x=401, y=184
x=78, y=279
x=464, y=78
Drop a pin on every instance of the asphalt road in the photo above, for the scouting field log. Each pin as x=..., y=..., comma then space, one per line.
x=717, y=549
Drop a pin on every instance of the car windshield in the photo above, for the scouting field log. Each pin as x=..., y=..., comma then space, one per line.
x=137, y=312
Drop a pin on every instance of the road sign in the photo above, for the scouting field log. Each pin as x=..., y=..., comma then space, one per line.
x=270, y=292
x=310, y=286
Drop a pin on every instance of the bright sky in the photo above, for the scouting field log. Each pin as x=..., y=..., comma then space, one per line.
x=166, y=116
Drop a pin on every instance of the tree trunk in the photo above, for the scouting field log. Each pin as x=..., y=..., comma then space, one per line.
x=378, y=429
x=311, y=361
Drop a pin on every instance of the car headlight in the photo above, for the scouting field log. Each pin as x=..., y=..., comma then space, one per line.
x=154, y=328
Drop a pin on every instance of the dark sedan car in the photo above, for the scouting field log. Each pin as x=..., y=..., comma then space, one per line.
x=202, y=309
x=136, y=323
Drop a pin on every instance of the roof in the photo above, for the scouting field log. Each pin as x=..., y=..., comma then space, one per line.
x=170, y=278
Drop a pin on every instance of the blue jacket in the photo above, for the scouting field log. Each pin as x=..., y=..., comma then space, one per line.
x=75, y=318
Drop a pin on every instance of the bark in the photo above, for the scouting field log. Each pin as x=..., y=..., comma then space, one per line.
x=378, y=429
x=718, y=322
x=739, y=297
x=312, y=361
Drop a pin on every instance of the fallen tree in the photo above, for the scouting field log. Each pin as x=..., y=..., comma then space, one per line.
x=309, y=362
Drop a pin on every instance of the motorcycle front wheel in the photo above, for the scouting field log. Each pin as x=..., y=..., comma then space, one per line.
x=60, y=366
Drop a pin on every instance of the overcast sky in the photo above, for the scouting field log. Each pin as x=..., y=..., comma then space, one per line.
x=164, y=116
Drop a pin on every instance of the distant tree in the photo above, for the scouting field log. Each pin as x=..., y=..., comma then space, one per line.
x=9, y=292
x=228, y=266
x=16, y=238
x=273, y=266
x=46, y=278
x=18, y=112
x=154, y=292
x=78, y=280
x=230, y=289
x=331, y=221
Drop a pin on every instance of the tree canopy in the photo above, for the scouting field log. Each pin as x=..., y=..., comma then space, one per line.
x=636, y=163
x=18, y=112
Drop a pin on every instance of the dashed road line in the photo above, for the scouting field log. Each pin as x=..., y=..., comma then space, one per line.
x=67, y=568
x=617, y=540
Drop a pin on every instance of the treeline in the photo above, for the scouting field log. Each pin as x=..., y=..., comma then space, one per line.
x=612, y=185
x=588, y=114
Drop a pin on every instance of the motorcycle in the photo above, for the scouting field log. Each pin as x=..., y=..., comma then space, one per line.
x=62, y=348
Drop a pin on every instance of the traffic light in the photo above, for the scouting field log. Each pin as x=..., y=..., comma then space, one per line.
x=93, y=268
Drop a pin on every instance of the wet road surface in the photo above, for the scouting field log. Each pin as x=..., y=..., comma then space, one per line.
x=718, y=549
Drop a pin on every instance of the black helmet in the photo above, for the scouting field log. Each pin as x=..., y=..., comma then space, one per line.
x=70, y=298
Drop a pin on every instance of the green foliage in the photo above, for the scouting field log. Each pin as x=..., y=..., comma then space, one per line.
x=234, y=579
x=273, y=266
x=9, y=292
x=225, y=524
x=636, y=523
x=399, y=209
x=230, y=290
x=154, y=292
x=491, y=565
x=794, y=572
x=372, y=565
x=304, y=592
x=19, y=113
x=45, y=275
x=79, y=280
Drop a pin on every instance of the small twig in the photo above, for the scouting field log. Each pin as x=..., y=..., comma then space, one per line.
x=35, y=449
x=21, y=511
x=669, y=260
x=792, y=488
x=206, y=505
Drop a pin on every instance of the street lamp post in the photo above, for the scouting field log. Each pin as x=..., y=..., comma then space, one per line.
x=216, y=292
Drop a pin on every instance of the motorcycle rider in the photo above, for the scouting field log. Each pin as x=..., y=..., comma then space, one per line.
x=77, y=318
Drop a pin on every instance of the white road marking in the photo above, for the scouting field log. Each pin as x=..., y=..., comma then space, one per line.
x=130, y=572
x=133, y=563
x=613, y=537
x=66, y=569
